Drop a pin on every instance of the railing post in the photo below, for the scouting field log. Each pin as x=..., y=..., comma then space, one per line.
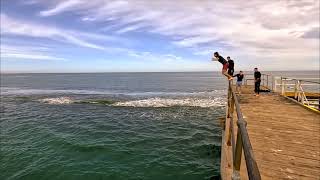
x=296, y=89
x=229, y=96
x=304, y=97
x=282, y=86
x=231, y=125
x=268, y=81
x=230, y=140
x=237, y=157
x=274, y=84
x=300, y=98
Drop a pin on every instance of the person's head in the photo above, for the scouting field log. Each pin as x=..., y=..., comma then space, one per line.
x=216, y=54
x=241, y=72
x=255, y=69
x=228, y=58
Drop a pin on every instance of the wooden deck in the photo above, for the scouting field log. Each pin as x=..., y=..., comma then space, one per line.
x=285, y=138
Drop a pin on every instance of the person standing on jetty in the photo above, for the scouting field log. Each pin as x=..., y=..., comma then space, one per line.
x=257, y=81
x=231, y=66
x=225, y=65
x=240, y=77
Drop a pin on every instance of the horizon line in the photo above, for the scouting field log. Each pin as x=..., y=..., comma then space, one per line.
x=139, y=72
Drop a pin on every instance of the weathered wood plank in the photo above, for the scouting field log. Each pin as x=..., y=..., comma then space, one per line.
x=285, y=136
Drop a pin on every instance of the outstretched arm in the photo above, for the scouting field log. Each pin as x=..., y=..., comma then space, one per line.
x=214, y=59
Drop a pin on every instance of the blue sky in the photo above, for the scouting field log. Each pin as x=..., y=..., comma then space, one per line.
x=143, y=35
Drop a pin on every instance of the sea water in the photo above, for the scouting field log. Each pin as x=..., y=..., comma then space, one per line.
x=113, y=125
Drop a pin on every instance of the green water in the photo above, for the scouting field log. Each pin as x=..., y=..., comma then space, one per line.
x=85, y=141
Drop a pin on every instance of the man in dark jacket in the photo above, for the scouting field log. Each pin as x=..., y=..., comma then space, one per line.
x=257, y=81
x=231, y=66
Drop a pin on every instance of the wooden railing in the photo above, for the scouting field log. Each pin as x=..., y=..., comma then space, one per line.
x=242, y=141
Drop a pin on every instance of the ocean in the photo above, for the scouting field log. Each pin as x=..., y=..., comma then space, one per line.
x=112, y=125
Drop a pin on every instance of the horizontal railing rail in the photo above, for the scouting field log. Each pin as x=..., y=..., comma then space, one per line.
x=266, y=79
x=300, y=90
x=242, y=142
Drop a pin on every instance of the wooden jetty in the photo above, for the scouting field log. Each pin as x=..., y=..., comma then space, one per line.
x=270, y=137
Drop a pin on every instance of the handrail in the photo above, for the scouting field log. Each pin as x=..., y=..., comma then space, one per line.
x=295, y=79
x=243, y=140
x=293, y=88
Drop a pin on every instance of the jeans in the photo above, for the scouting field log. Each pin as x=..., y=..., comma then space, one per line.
x=257, y=86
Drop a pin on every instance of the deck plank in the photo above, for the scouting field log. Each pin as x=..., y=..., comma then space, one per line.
x=285, y=136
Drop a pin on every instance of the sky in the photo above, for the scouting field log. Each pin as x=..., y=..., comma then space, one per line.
x=158, y=35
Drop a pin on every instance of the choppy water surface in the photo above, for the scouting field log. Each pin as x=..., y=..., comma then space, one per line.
x=111, y=126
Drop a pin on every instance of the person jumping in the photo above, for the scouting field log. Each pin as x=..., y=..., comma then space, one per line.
x=224, y=63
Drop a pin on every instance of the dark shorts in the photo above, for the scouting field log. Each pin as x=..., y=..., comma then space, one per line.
x=239, y=83
x=225, y=67
x=230, y=72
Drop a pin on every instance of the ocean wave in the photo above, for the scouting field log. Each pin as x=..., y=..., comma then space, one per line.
x=166, y=102
x=22, y=91
x=150, y=102
x=58, y=100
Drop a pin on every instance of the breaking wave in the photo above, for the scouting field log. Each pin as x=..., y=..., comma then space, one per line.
x=150, y=102
x=19, y=91
x=58, y=100
x=165, y=102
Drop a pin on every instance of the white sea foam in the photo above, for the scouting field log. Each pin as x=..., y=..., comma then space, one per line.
x=150, y=102
x=19, y=91
x=58, y=100
x=22, y=91
x=165, y=102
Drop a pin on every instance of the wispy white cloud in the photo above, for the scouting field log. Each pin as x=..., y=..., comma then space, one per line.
x=252, y=26
x=63, y=6
x=23, y=28
x=10, y=56
x=14, y=52
x=285, y=33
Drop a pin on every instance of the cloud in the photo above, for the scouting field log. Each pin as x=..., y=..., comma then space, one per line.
x=63, y=6
x=6, y=55
x=22, y=28
x=253, y=31
x=252, y=26
x=9, y=52
x=313, y=33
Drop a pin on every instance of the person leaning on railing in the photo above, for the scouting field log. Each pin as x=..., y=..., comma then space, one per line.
x=257, y=81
